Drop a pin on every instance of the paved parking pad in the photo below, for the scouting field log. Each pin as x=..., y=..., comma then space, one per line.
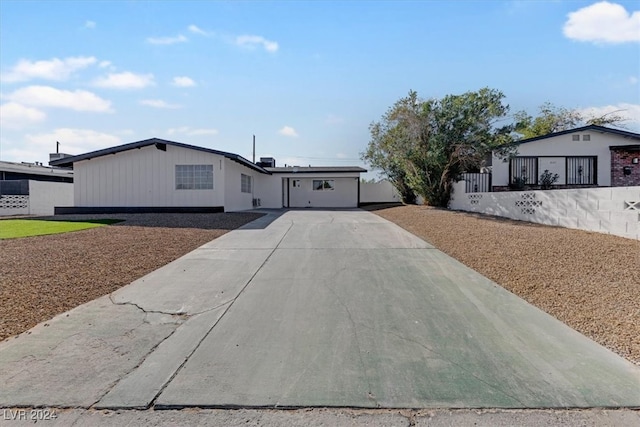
x=312, y=308
x=336, y=319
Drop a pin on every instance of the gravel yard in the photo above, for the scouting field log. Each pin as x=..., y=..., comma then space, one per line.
x=590, y=281
x=587, y=280
x=46, y=275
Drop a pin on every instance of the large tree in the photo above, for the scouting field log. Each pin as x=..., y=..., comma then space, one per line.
x=430, y=143
x=551, y=119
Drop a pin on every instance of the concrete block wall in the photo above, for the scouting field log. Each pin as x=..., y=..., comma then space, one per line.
x=611, y=210
x=43, y=197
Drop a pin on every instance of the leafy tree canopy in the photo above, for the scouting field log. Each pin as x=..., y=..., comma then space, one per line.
x=424, y=145
x=553, y=119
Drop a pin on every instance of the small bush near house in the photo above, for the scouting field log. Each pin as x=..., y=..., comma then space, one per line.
x=547, y=179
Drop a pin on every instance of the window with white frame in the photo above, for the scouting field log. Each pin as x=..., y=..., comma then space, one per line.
x=245, y=183
x=194, y=177
x=323, y=184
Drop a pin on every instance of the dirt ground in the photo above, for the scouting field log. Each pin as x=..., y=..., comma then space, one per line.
x=590, y=281
x=43, y=276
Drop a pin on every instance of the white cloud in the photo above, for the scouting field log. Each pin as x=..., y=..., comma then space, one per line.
x=633, y=80
x=167, y=40
x=17, y=116
x=630, y=111
x=603, y=22
x=104, y=64
x=89, y=24
x=46, y=96
x=183, y=81
x=196, y=30
x=125, y=80
x=186, y=130
x=288, y=131
x=72, y=141
x=53, y=69
x=251, y=42
x=159, y=103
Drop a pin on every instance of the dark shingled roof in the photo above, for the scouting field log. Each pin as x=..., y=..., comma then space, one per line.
x=68, y=161
x=594, y=128
x=315, y=169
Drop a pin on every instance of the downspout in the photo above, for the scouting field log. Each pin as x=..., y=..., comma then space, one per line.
x=358, y=205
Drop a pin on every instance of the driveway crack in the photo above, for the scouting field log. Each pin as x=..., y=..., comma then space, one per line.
x=354, y=326
x=229, y=304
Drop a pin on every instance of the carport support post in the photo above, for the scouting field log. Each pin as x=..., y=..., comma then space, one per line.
x=288, y=192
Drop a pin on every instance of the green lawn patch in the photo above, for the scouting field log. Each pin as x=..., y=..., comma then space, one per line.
x=13, y=228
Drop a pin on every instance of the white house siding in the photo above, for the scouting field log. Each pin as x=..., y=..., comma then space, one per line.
x=234, y=198
x=558, y=147
x=145, y=177
x=344, y=195
x=268, y=188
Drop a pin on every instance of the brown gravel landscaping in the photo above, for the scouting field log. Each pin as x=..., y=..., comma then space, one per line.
x=590, y=281
x=46, y=275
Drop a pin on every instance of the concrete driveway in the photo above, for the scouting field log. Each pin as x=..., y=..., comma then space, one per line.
x=312, y=309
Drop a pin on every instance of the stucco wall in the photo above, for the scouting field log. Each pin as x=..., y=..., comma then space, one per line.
x=378, y=192
x=145, y=177
x=613, y=210
x=268, y=188
x=560, y=147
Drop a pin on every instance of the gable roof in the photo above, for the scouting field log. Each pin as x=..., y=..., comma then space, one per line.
x=68, y=161
x=315, y=169
x=594, y=128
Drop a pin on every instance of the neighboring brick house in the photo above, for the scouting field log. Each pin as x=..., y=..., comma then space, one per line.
x=588, y=156
x=625, y=165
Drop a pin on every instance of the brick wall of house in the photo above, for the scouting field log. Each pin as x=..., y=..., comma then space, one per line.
x=622, y=157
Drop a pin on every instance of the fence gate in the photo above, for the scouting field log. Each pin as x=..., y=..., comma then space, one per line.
x=477, y=182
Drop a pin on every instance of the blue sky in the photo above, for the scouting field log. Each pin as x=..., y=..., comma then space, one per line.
x=307, y=78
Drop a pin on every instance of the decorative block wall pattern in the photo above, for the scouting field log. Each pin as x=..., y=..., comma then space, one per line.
x=611, y=210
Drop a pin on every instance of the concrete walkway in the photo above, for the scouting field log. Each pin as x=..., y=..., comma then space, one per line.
x=312, y=309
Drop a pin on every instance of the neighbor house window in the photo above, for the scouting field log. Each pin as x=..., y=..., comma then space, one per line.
x=245, y=183
x=575, y=137
x=581, y=170
x=524, y=170
x=586, y=137
x=323, y=184
x=194, y=177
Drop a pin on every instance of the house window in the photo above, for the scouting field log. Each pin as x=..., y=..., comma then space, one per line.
x=575, y=137
x=194, y=177
x=323, y=184
x=245, y=183
x=581, y=171
x=296, y=183
x=524, y=170
x=586, y=137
